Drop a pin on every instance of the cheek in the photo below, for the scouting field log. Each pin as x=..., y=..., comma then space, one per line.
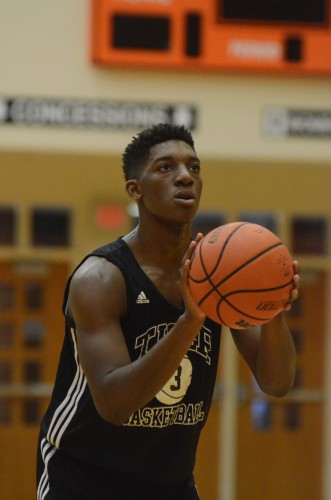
x=155, y=190
x=154, y=195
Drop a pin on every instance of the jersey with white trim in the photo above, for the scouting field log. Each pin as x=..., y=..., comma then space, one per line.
x=158, y=442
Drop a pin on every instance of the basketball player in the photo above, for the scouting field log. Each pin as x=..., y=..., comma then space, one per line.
x=139, y=359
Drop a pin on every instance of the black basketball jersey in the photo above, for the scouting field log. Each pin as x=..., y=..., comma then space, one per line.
x=158, y=443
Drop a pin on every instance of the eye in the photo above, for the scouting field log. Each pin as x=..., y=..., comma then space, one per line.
x=165, y=167
x=195, y=167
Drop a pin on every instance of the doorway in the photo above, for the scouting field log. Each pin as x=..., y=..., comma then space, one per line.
x=31, y=333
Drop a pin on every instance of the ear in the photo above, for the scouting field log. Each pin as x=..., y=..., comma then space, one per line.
x=133, y=190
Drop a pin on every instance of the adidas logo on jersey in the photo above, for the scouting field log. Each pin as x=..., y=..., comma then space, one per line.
x=142, y=299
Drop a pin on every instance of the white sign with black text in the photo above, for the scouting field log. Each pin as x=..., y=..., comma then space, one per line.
x=289, y=122
x=96, y=114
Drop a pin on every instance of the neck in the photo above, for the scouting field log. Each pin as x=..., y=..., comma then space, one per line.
x=164, y=247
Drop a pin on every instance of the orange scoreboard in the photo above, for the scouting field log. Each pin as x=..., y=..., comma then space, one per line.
x=284, y=36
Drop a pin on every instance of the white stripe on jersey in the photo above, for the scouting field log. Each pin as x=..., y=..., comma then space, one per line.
x=47, y=451
x=68, y=406
x=60, y=421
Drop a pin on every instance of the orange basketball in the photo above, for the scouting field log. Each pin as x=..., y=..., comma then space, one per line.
x=241, y=275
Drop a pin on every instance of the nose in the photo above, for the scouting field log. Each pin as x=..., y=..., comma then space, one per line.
x=183, y=175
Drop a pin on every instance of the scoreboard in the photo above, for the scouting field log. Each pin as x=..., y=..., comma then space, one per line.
x=280, y=36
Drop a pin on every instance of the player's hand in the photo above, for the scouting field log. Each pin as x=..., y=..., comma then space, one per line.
x=296, y=286
x=192, y=310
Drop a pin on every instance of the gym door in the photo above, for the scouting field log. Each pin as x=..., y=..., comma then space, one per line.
x=280, y=441
x=31, y=332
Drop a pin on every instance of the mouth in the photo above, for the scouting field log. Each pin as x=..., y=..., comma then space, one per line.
x=185, y=195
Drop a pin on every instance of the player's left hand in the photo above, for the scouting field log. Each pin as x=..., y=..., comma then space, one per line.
x=296, y=285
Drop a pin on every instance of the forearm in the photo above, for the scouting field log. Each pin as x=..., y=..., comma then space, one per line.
x=276, y=359
x=130, y=387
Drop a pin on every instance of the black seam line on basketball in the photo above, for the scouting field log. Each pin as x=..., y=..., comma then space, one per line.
x=238, y=310
x=244, y=314
x=224, y=298
x=208, y=275
x=230, y=305
x=258, y=290
x=214, y=287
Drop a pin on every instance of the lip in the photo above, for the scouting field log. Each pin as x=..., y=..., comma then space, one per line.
x=185, y=195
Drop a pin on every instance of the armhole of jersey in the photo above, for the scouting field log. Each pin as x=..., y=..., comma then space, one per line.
x=126, y=266
x=123, y=267
x=66, y=290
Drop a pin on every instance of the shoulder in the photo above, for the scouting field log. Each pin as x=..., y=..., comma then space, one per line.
x=96, y=281
x=95, y=269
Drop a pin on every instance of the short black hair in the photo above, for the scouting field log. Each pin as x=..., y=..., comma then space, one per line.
x=137, y=151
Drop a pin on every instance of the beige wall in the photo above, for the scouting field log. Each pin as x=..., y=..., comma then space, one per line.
x=73, y=179
x=80, y=181
x=45, y=52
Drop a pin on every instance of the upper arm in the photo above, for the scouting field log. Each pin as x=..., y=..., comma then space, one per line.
x=97, y=300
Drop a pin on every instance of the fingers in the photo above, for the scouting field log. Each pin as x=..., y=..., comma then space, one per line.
x=296, y=267
x=185, y=269
x=192, y=310
x=296, y=285
x=199, y=237
x=296, y=277
x=192, y=247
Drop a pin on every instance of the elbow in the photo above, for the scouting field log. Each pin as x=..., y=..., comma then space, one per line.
x=111, y=406
x=277, y=392
x=278, y=388
x=111, y=414
x=111, y=418
x=278, y=383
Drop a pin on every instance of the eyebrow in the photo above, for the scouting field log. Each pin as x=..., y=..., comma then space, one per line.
x=168, y=157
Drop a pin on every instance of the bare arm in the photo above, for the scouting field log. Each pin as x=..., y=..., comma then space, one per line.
x=119, y=386
x=269, y=350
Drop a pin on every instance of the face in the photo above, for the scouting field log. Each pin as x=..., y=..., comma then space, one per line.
x=170, y=184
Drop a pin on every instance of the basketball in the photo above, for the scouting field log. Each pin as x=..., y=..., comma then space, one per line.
x=241, y=275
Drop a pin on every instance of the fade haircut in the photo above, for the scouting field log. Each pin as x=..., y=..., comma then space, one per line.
x=136, y=153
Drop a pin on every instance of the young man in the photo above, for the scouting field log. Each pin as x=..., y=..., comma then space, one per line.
x=139, y=359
